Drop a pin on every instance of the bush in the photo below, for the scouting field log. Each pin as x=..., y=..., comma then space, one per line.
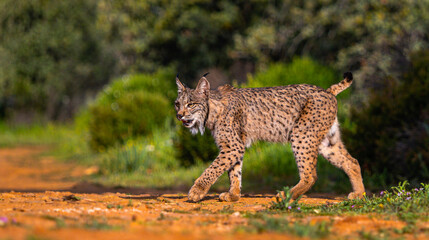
x=130, y=107
x=392, y=131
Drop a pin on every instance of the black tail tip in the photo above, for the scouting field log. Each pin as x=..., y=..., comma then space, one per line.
x=205, y=74
x=348, y=76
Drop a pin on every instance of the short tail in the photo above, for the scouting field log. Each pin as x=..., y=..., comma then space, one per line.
x=341, y=86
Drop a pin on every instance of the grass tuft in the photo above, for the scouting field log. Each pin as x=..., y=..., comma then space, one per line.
x=284, y=200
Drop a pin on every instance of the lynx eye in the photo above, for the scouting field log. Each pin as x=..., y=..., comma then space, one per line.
x=177, y=104
x=191, y=105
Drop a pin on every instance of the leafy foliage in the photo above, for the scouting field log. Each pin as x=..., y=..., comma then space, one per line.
x=182, y=33
x=54, y=54
x=373, y=37
x=51, y=56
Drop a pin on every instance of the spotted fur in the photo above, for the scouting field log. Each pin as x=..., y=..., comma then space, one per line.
x=304, y=115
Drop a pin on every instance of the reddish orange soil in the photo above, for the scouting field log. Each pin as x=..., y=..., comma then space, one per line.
x=41, y=198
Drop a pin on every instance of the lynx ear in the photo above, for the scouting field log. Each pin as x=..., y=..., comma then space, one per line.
x=203, y=86
x=180, y=86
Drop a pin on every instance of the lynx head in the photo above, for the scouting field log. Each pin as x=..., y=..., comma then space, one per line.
x=192, y=105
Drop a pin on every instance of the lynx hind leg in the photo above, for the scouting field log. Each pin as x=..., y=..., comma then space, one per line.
x=305, y=139
x=235, y=178
x=307, y=134
x=333, y=150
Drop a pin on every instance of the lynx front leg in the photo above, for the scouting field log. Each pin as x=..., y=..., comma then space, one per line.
x=235, y=178
x=228, y=156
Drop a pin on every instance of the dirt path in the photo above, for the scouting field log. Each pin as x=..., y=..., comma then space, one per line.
x=42, y=199
x=26, y=169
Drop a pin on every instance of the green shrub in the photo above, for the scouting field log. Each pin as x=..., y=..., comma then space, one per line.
x=392, y=131
x=131, y=107
x=132, y=115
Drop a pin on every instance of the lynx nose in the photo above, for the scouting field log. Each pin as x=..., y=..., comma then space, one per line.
x=179, y=116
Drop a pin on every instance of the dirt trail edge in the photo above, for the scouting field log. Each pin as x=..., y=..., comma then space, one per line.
x=41, y=198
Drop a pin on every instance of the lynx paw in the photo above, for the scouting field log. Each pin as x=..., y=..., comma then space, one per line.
x=229, y=197
x=196, y=193
x=354, y=195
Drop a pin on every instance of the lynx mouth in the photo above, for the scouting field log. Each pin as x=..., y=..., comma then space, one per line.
x=187, y=123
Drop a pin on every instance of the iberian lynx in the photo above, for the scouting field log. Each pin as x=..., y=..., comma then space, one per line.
x=304, y=115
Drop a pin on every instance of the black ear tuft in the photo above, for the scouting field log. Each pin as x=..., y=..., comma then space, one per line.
x=348, y=76
x=205, y=74
x=177, y=75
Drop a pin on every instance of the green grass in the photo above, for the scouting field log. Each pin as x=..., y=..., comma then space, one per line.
x=407, y=204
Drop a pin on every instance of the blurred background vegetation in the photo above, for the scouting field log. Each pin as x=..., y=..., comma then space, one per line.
x=95, y=79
